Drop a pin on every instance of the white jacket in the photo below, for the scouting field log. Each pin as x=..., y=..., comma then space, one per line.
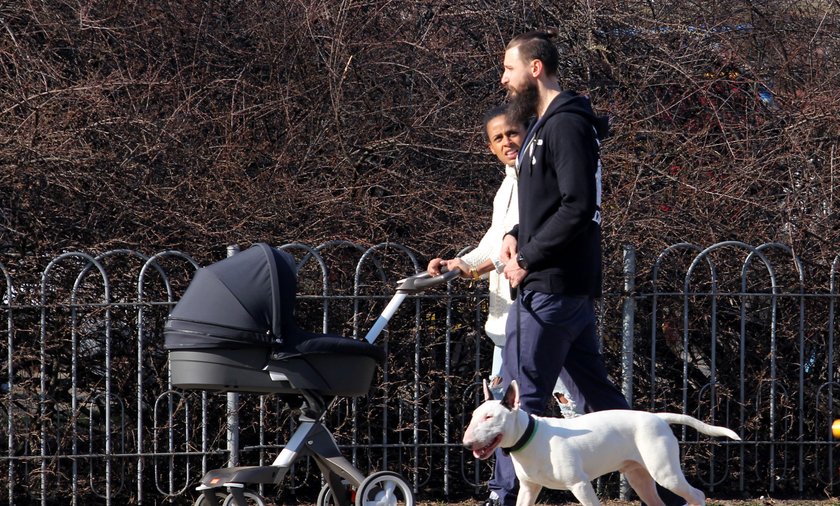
x=505, y=216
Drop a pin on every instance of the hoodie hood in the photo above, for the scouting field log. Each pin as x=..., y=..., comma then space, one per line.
x=571, y=101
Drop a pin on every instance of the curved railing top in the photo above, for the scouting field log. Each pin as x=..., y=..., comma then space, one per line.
x=785, y=249
x=310, y=253
x=726, y=244
x=370, y=253
x=660, y=259
x=152, y=261
x=754, y=253
x=88, y=261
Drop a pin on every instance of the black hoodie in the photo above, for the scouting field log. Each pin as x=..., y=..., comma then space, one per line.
x=559, y=231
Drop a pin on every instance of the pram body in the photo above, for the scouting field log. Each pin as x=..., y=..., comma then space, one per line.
x=234, y=331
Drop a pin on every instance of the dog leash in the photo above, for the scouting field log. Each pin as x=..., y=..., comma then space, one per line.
x=526, y=437
x=518, y=302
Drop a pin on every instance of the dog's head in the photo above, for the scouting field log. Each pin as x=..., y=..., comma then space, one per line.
x=493, y=423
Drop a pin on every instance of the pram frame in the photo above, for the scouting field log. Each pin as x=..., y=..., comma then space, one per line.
x=311, y=439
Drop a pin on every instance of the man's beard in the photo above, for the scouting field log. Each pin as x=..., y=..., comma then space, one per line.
x=523, y=104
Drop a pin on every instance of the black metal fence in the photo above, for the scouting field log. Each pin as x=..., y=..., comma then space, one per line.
x=733, y=334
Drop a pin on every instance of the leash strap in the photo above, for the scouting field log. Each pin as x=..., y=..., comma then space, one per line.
x=518, y=330
x=530, y=430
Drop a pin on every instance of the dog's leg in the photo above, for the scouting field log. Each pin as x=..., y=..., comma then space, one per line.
x=664, y=466
x=528, y=492
x=692, y=496
x=642, y=482
x=682, y=488
x=585, y=494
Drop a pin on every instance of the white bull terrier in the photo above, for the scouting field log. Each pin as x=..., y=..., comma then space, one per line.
x=569, y=453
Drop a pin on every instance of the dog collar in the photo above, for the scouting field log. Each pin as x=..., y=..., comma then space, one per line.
x=526, y=438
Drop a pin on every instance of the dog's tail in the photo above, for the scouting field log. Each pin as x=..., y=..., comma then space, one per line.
x=705, y=428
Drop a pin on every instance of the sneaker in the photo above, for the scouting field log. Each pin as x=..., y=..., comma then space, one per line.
x=493, y=500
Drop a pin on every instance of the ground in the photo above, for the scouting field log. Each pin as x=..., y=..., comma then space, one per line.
x=756, y=502
x=709, y=502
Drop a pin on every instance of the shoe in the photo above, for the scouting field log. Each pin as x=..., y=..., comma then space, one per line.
x=492, y=501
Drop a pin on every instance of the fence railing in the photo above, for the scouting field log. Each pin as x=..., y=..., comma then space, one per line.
x=733, y=334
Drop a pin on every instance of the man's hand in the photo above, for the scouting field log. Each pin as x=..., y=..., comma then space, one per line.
x=509, y=249
x=514, y=273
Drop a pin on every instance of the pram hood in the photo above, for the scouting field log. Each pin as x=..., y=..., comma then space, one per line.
x=242, y=301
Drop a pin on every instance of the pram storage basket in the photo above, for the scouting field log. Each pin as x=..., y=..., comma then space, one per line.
x=234, y=330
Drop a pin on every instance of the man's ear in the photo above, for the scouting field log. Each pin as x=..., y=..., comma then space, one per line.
x=537, y=68
x=511, y=398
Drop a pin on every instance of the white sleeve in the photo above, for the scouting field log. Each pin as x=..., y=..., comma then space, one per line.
x=491, y=244
x=487, y=248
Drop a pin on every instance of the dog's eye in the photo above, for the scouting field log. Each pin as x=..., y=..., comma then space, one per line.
x=487, y=417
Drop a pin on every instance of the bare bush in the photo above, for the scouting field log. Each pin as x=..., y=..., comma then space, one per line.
x=169, y=126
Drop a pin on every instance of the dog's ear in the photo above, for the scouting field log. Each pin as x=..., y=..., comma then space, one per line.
x=511, y=398
x=487, y=395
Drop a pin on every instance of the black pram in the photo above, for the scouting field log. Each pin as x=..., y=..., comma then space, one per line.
x=234, y=331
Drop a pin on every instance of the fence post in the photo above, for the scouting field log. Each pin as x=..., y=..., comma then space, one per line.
x=233, y=406
x=9, y=385
x=627, y=334
x=628, y=321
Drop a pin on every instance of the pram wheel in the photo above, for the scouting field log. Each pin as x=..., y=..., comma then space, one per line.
x=326, y=497
x=384, y=488
x=251, y=498
x=202, y=501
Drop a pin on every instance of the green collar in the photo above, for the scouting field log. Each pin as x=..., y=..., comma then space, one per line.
x=526, y=438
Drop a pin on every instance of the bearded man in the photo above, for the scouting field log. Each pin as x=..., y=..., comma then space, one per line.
x=553, y=256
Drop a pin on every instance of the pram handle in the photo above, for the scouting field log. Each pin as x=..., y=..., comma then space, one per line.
x=406, y=287
x=424, y=280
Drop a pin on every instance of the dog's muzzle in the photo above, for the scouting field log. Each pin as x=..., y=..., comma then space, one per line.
x=483, y=452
